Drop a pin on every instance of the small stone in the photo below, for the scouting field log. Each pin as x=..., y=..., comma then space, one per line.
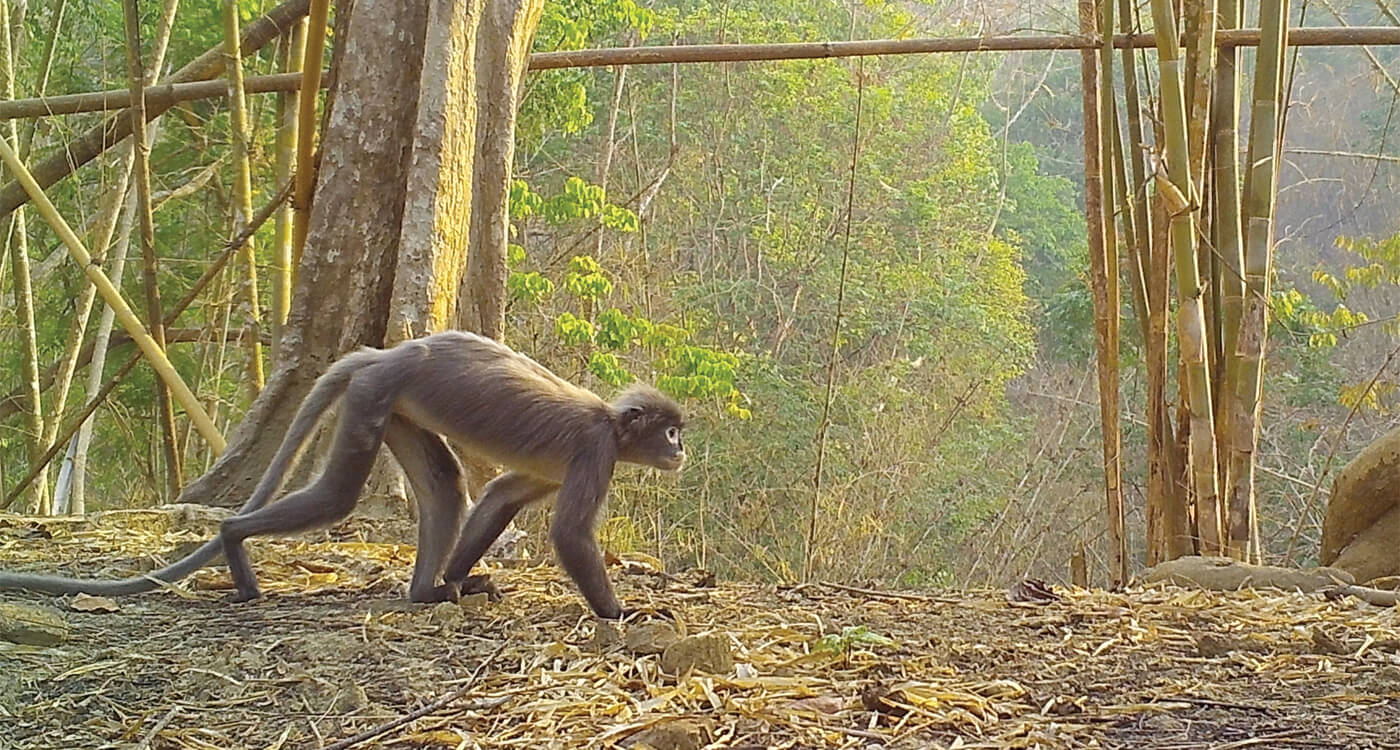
x=447, y=615
x=703, y=653
x=31, y=626
x=650, y=637
x=675, y=734
x=605, y=637
x=474, y=602
x=350, y=699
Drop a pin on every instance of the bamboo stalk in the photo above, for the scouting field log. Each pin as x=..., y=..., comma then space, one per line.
x=1261, y=188
x=1103, y=264
x=243, y=198
x=293, y=49
x=18, y=242
x=306, y=129
x=1227, y=234
x=1191, y=324
x=113, y=298
x=141, y=172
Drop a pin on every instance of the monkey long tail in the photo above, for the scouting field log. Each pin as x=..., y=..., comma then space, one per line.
x=323, y=393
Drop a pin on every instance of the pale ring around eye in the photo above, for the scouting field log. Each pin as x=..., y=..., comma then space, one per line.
x=673, y=434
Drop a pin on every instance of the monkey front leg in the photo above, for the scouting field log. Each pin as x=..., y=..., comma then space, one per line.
x=575, y=516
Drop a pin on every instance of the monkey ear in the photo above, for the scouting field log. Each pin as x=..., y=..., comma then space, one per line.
x=629, y=415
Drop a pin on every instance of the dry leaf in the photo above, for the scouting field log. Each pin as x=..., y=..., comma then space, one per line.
x=89, y=603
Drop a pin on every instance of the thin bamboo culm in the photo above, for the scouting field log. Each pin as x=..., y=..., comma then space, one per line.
x=1103, y=264
x=243, y=199
x=1260, y=189
x=1227, y=236
x=1178, y=192
x=141, y=174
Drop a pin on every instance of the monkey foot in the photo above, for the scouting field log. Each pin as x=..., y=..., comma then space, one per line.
x=442, y=593
x=479, y=584
x=241, y=596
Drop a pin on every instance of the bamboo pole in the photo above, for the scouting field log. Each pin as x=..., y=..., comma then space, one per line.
x=113, y=298
x=18, y=242
x=1228, y=234
x=141, y=172
x=306, y=129
x=1191, y=325
x=1103, y=268
x=293, y=49
x=710, y=53
x=164, y=95
x=243, y=198
x=1261, y=188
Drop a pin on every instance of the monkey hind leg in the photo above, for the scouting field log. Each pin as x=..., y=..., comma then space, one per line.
x=435, y=475
x=329, y=497
x=500, y=501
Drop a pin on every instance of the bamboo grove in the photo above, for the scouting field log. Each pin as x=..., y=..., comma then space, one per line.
x=1185, y=209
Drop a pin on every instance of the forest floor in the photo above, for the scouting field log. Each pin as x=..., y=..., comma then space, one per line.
x=334, y=656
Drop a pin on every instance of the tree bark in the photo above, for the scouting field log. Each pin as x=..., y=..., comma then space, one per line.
x=502, y=55
x=347, y=275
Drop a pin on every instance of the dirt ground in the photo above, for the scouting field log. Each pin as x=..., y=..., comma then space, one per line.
x=334, y=652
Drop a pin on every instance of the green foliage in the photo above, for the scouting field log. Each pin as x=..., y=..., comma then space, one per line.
x=609, y=369
x=848, y=640
x=573, y=330
x=585, y=279
x=529, y=287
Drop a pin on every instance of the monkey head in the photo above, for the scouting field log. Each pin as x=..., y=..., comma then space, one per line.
x=649, y=425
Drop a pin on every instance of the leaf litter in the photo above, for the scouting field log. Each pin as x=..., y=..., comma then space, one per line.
x=335, y=657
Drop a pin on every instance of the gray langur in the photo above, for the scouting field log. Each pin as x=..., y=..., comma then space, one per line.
x=553, y=437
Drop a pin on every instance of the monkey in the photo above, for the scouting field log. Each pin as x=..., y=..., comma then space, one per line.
x=553, y=437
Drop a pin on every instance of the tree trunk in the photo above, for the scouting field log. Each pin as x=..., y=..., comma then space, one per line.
x=394, y=208
x=503, y=51
x=343, y=287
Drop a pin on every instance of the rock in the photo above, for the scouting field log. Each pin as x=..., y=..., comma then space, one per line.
x=1361, y=527
x=351, y=699
x=673, y=734
x=474, y=602
x=1224, y=574
x=650, y=638
x=1213, y=645
x=31, y=626
x=703, y=653
x=447, y=615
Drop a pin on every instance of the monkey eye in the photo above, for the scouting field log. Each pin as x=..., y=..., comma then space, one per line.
x=673, y=434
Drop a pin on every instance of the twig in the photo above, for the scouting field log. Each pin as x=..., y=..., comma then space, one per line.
x=146, y=740
x=888, y=594
x=1378, y=597
x=379, y=729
